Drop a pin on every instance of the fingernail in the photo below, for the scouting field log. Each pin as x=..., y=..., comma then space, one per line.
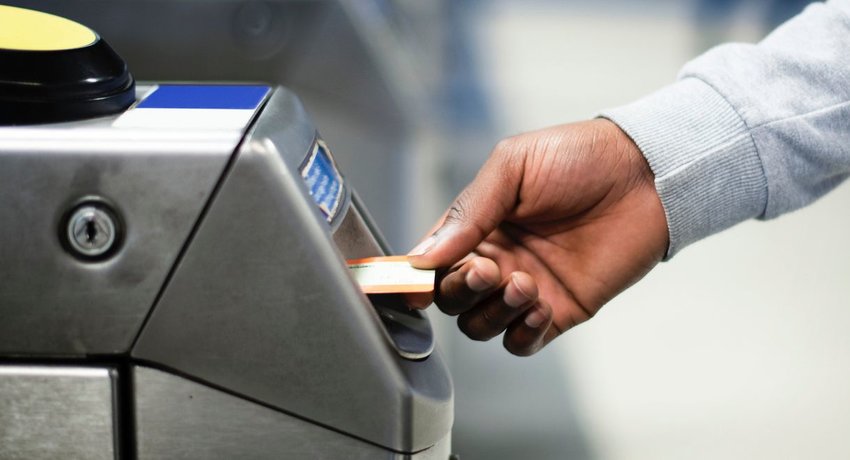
x=476, y=282
x=515, y=297
x=535, y=319
x=423, y=247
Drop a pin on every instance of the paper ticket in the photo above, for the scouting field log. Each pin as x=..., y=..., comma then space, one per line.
x=391, y=274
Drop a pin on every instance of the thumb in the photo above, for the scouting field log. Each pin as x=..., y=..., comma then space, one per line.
x=475, y=213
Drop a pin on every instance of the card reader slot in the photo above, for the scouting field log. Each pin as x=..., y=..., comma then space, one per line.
x=409, y=331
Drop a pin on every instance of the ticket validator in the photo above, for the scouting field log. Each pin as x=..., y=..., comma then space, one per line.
x=172, y=275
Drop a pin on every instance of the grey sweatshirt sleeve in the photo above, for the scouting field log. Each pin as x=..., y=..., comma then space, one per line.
x=750, y=130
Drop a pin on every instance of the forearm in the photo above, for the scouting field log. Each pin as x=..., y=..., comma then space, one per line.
x=750, y=130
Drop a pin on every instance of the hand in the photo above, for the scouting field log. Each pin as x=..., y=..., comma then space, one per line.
x=555, y=225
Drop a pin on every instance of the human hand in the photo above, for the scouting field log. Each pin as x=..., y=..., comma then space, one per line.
x=557, y=223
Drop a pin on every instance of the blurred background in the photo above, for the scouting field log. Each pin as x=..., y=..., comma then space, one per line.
x=737, y=348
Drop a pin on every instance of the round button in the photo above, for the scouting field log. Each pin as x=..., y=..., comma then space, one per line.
x=53, y=69
x=28, y=30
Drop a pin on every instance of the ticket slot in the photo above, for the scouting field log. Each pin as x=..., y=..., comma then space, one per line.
x=409, y=331
x=408, y=328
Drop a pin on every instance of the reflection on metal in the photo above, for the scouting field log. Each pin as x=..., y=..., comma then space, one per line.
x=49, y=412
x=441, y=451
x=354, y=238
x=338, y=56
x=176, y=419
x=289, y=327
x=214, y=264
x=409, y=330
x=274, y=318
x=159, y=184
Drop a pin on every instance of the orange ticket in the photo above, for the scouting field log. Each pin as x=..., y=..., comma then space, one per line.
x=390, y=274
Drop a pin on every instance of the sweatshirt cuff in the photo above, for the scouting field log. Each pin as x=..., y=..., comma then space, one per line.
x=708, y=173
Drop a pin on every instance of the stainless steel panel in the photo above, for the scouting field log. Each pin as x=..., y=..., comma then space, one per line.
x=274, y=315
x=158, y=182
x=441, y=451
x=314, y=47
x=354, y=238
x=51, y=412
x=180, y=419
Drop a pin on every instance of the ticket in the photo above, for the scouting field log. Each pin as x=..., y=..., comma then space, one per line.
x=391, y=274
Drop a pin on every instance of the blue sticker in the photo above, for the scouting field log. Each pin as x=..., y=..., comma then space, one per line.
x=240, y=97
x=323, y=180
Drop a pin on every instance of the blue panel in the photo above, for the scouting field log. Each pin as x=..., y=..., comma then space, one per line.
x=324, y=182
x=246, y=97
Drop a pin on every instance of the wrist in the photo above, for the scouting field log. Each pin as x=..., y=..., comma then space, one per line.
x=708, y=173
x=639, y=187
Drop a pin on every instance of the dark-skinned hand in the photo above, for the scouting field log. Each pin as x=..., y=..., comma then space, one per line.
x=557, y=223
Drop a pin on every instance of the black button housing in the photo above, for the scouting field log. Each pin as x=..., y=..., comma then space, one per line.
x=63, y=85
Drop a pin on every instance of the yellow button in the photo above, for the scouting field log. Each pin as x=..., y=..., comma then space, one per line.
x=28, y=30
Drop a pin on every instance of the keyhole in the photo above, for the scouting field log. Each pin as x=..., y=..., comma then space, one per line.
x=91, y=231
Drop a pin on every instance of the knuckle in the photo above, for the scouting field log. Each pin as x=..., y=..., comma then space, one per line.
x=509, y=156
x=468, y=331
x=459, y=210
x=507, y=147
x=582, y=313
x=510, y=149
x=467, y=325
x=450, y=299
x=461, y=213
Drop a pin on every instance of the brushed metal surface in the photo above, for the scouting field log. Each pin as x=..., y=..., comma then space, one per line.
x=180, y=419
x=440, y=451
x=354, y=239
x=277, y=318
x=157, y=181
x=311, y=46
x=49, y=412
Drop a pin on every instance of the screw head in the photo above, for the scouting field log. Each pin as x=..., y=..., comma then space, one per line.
x=91, y=231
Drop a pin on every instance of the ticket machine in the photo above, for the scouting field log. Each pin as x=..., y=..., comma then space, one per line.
x=173, y=280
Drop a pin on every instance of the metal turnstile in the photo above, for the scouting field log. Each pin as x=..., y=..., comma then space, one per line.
x=173, y=285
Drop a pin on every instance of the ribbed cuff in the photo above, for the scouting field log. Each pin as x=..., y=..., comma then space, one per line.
x=707, y=170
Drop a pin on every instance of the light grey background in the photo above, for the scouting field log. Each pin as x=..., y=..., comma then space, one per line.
x=738, y=348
